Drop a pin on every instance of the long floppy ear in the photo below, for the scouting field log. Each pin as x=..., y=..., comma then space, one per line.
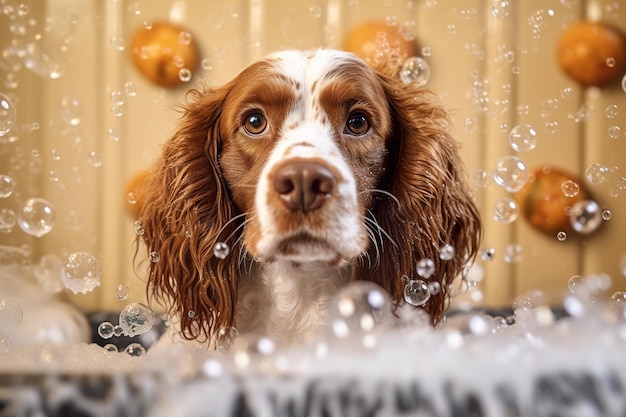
x=187, y=210
x=433, y=207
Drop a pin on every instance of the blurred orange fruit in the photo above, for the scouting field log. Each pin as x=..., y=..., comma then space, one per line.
x=370, y=39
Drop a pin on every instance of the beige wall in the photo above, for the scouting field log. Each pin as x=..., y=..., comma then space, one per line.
x=466, y=44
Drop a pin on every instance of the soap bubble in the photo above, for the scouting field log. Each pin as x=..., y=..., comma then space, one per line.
x=359, y=310
x=561, y=236
x=7, y=185
x=47, y=273
x=606, y=215
x=221, y=250
x=415, y=70
x=434, y=287
x=510, y=173
x=11, y=315
x=226, y=337
x=614, y=132
x=481, y=178
x=130, y=89
x=70, y=111
x=121, y=292
x=505, y=210
x=8, y=114
x=446, y=252
x=523, y=138
x=425, y=267
x=570, y=188
x=36, y=217
x=500, y=9
x=470, y=125
x=513, y=253
x=184, y=74
x=136, y=318
x=488, y=254
x=611, y=111
x=80, y=272
x=416, y=293
x=8, y=220
x=113, y=134
x=155, y=257
x=597, y=174
x=135, y=350
x=185, y=38
x=585, y=216
x=253, y=347
x=105, y=329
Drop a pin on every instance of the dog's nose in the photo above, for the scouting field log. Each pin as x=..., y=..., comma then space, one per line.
x=303, y=185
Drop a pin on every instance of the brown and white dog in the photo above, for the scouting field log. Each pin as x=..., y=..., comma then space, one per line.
x=316, y=170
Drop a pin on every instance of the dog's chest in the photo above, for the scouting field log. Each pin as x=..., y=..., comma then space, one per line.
x=286, y=302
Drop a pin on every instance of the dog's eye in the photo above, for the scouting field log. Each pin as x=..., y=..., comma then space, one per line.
x=357, y=124
x=255, y=123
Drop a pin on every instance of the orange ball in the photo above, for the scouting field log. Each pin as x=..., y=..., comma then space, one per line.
x=592, y=53
x=161, y=50
x=133, y=200
x=367, y=40
x=545, y=201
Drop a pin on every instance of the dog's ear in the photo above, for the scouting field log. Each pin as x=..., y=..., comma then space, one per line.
x=187, y=210
x=433, y=206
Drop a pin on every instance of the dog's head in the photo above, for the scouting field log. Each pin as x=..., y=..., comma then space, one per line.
x=308, y=157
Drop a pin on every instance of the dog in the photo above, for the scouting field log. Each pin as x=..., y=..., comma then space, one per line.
x=315, y=170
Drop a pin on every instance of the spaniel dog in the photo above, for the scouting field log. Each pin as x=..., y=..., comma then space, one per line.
x=315, y=170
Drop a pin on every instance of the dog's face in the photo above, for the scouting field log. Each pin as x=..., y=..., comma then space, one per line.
x=303, y=147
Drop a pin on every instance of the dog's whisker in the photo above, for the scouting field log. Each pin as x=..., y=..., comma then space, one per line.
x=234, y=219
x=387, y=193
x=381, y=231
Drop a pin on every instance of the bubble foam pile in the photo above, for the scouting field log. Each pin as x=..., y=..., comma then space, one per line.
x=368, y=362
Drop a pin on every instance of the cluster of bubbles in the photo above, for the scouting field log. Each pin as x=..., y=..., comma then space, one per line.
x=135, y=319
x=80, y=272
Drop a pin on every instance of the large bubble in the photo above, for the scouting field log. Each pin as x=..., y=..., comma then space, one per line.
x=80, y=272
x=523, y=138
x=359, y=311
x=415, y=70
x=36, y=216
x=510, y=173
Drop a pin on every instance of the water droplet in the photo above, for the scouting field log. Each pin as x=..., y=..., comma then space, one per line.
x=416, y=293
x=8, y=114
x=36, y=217
x=523, y=138
x=500, y=9
x=136, y=319
x=446, y=252
x=80, y=272
x=597, y=174
x=561, y=236
x=488, y=254
x=11, y=315
x=434, y=287
x=131, y=198
x=425, y=268
x=135, y=350
x=415, y=70
x=105, y=330
x=570, y=188
x=7, y=185
x=606, y=215
x=426, y=51
x=191, y=314
x=221, y=250
x=585, y=216
x=510, y=173
x=513, y=253
x=155, y=257
x=505, y=210
x=184, y=74
x=611, y=111
x=121, y=292
x=614, y=132
x=610, y=62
